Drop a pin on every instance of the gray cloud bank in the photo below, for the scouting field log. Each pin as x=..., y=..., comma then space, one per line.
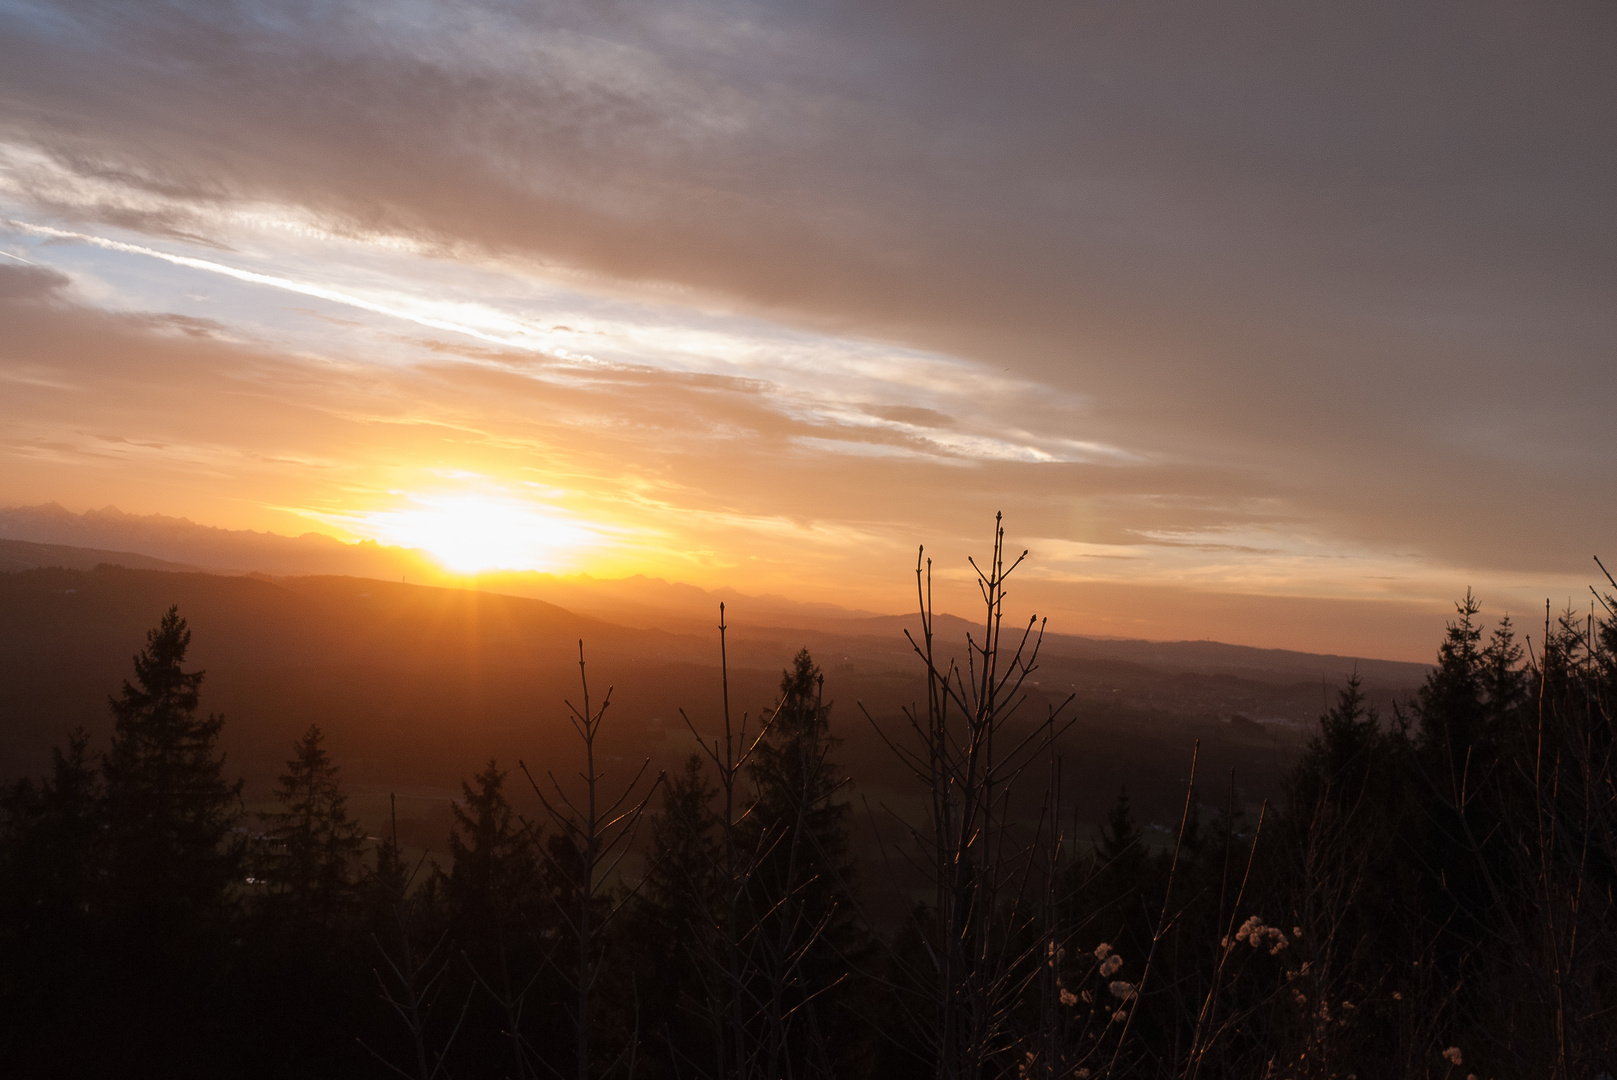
x=1360, y=258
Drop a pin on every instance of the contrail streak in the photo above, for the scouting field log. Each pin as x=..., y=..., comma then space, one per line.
x=302, y=288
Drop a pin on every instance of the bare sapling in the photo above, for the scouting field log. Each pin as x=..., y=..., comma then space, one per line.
x=594, y=833
x=412, y=984
x=964, y=746
x=729, y=950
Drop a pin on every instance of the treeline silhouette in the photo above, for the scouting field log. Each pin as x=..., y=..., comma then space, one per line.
x=1432, y=897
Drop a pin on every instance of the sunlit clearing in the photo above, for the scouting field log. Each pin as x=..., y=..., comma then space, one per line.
x=473, y=533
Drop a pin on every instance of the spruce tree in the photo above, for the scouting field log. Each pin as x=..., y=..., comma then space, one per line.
x=316, y=843
x=795, y=812
x=671, y=933
x=50, y=974
x=171, y=852
x=494, y=893
x=1122, y=845
x=171, y=863
x=680, y=887
x=1477, y=801
x=495, y=867
x=1451, y=704
x=1336, y=763
x=48, y=835
x=798, y=830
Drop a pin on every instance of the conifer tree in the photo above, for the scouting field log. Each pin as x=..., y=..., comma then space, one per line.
x=316, y=843
x=495, y=867
x=1346, y=837
x=494, y=892
x=1121, y=842
x=169, y=809
x=47, y=838
x=170, y=862
x=1336, y=763
x=795, y=810
x=679, y=891
x=1451, y=703
x=1471, y=709
x=798, y=830
x=1504, y=680
x=673, y=930
x=1122, y=874
x=48, y=959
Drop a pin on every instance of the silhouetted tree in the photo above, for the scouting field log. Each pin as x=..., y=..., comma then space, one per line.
x=1458, y=718
x=797, y=828
x=316, y=844
x=171, y=861
x=411, y=941
x=1122, y=873
x=494, y=868
x=170, y=852
x=672, y=932
x=50, y=965
x=680, y=883
x=1121, y=842
x=1439, y=879
x=1469, y=710
x=48, y=834
x=1346, y=875
x=593, y=833
x=1353, y=762
x=300, y=973
x=495, y=892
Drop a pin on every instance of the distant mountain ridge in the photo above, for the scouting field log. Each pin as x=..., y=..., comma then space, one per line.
x=182, y=540
x=51, y=535
x=635, y=601
x=1199, y=657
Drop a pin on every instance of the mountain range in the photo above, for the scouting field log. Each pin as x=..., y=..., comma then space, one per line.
x=51, y=535
x=418, y=685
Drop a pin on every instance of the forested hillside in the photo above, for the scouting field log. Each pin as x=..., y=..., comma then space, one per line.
x=332, y=826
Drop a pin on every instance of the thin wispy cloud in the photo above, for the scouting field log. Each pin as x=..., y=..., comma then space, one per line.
x=792, y=366
x=517, y=338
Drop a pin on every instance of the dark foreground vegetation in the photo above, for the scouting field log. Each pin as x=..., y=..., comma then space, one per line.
x=1432, y=895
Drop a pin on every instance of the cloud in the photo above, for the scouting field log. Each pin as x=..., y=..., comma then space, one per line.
x=1152, y=273
x=675, y=476
x=29, y=282
x=827, y=383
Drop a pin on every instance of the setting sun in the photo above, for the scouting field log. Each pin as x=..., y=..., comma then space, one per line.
x=470, y=533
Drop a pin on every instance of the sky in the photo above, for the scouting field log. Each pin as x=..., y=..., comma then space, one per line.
x=1271, y=323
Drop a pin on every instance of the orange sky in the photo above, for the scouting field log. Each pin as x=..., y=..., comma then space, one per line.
x=1276, y=329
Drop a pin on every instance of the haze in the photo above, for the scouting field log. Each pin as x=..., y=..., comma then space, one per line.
x=1270, y=324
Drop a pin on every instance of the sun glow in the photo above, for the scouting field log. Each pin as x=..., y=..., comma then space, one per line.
x=472, y=533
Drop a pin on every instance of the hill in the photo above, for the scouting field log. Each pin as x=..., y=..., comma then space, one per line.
x=22, y=555
x=417, y=686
